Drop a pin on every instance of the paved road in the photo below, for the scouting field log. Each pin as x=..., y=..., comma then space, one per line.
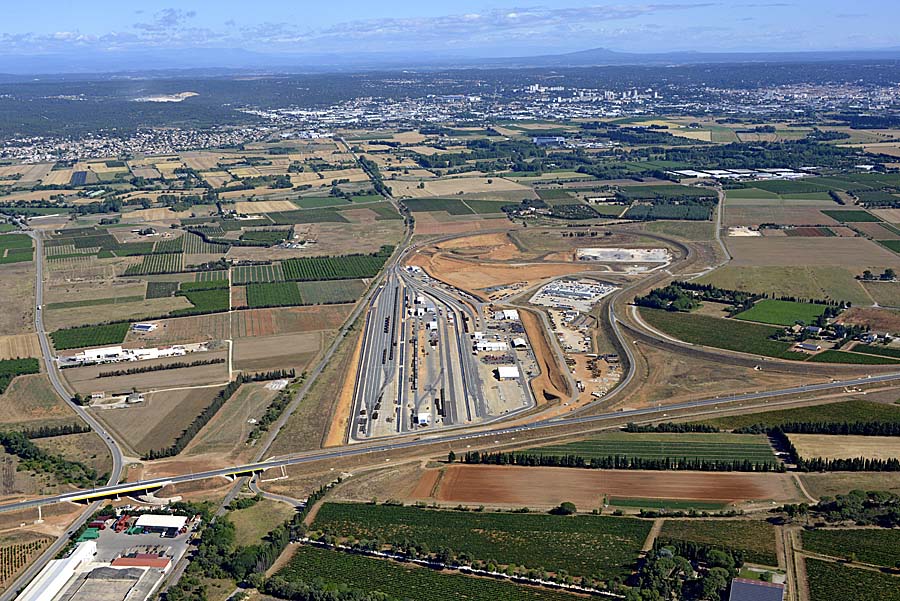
x=114, y=449
x=53, y=373
x=353, y=451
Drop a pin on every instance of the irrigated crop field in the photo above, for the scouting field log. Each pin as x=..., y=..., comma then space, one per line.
x=718, y=447
x=855, y=411
x=584, y=546
x=782, y=313
x=403, y=581
x=754, y=538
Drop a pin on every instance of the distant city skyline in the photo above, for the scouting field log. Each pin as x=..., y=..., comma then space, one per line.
x=464, y=28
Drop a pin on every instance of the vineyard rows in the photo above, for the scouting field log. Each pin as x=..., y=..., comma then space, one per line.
x=14, y=557
x=194, y=245
x=596, y=546
x=247, y=274
x=150, y=264
x=347, y=267
x=401, y=581
x=211, y=276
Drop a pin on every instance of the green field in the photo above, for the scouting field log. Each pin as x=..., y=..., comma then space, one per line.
x=403, y=581
x=790, y=187
x=278, y=294
x=855, y=411
x=893, y=245
x=486, y=207
x=834, y=582
x=247, y=274
x=782, y=313
x=834, y=283
x=84, y=336
x=720, y=333
x=670, y=504
x=878, y=546
x=451, y=206
x=344, y=267
x=204, y=300
x=211, y=276
x=725, y=447
x=319, y=202
x=266, y=237
x=324, y=215
x=755, y=539
x=15, y=248
x=331, y=292
x=852, y=216
x=150, y=264
x=877, y=350
x=832, y=356
x=596, y=546
x=95, y=301
x=689, y=230
x=10, y=368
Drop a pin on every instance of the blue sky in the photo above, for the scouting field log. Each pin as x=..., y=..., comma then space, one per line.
x=461, y=27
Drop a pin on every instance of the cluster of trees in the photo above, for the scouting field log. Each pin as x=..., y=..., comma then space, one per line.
x=863, y=508
x=10, y=368
x=685, y=571
x=887, y=275
x=219, y=556
x=161, y=367
x=265, y=376
x=685, y=296
x=273, y=412
x=51, y=431
x=34, y=458
x=374, y=173
x=621, y=462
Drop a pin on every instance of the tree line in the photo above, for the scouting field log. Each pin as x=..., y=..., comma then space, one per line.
x=621, y=462
x=670, y=427
x=34, y=458
x=162, y=367
x=835, y=428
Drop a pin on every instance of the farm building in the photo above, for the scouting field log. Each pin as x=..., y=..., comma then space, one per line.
x=508, y=372
x=143, y=328
x=166, y=524
x=744, y=589
x=808, y=346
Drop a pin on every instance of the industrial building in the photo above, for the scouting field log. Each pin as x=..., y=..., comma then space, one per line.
x=164, y=524
x=491, y=346
x=507, y=315
x=744, y=589
x=508, y=372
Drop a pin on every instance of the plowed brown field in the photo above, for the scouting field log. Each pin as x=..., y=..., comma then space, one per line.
x=545, y=486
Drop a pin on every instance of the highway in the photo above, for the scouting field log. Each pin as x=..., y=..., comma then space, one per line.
x=387, y=446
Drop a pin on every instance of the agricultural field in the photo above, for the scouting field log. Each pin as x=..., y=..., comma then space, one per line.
x=782, y=313
x=596, y=546
x=31, y=402
x=11, y=368
x=715, y=447
x=331, y=292
x=854, y=411
x=834, y=582
x=833, y=356
x=160, y=263
x=253, y=523
x=246, y=274
x=802, y=281
x=852, y=216
x=15, y=248
x=811, y=446
x=726, y=334
x=279, y=294
x=754, y=539
x=403, y=581
x=347, y=267
x=17, y=551
x=871, y=545
x=852, y=253
x=86, y=336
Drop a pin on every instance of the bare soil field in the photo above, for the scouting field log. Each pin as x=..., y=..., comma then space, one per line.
x=877, y=231
x=845, y=252
x=264, y=206
x=55, y=319
x=846, y=447
x=226, y=434
x=673, y=378
x=340, y=421
x=30, y=401
x=880, y=320
x=17, y=300
x=343, y=238
x=889, y=215
x=19, y=346
x=267, y=322
x=61, y=292
x=551, y=385
x=278, y=352
x=86, y=379
x=155, y=423
x=437, y=222
x=470, y=276
x=546, y=487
